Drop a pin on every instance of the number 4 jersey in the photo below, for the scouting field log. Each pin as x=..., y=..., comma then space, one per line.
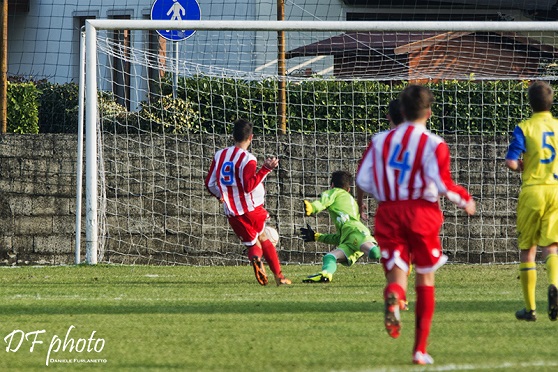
x=233, y=178
x=409, y=163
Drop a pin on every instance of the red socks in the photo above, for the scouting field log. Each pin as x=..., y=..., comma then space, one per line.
x=397, y=289
x=424, y=311
x=254, y=250
x=270, y=255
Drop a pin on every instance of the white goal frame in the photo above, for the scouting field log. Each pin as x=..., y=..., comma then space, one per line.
x=90, y=72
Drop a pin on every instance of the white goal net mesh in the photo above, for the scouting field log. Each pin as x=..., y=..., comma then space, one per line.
x=165, y=109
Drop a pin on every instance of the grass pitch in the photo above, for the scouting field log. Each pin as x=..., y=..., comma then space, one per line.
x=115, y=318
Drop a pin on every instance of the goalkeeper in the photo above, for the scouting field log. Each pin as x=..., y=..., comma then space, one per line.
x=353, y=238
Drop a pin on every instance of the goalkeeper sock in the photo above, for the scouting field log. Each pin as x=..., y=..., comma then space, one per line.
x=424, y=311
x=552, y=268
x=329, y=263
x=270, y=254
x=528, y=278
x=374, y=252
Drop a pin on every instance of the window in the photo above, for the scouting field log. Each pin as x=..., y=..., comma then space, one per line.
x=79, y=24
x=429, y=10
x=121, y=66
x=157, y=48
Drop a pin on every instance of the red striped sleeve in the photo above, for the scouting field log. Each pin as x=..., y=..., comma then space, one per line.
x=385, y=157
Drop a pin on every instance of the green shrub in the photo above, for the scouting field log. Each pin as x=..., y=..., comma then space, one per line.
x=465, y=107
x=23, y=108
x=58, y=111
x=486, y=107
x=170, y=115
x=211, y=104
x=112, y=115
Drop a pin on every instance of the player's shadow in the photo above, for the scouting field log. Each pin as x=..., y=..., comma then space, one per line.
x=240, y=307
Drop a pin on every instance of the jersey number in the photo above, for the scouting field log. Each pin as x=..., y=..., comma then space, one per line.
x=227, y=173
x=401, y=165
x=548, y=146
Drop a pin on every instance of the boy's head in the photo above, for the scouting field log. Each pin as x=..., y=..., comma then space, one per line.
x=416, y=101
x=242, y=130
x=541, y=96
x=394, y=113
x=341, y=180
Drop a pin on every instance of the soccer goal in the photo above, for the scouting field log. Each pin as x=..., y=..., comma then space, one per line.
x=156, y=111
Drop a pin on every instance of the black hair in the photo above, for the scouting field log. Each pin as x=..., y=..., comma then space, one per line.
x=416, y=100
x=242, y=130
x=541, y=96
x=341, y=179
x=394, y=112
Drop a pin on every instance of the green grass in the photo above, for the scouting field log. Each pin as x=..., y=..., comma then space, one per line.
x=220, y=319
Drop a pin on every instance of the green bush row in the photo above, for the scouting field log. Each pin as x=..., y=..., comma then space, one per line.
x=467, y=107
x=209, y=104
x=41, y=107
x=23, y=110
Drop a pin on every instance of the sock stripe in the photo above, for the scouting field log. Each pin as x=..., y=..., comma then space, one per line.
x=527, y=268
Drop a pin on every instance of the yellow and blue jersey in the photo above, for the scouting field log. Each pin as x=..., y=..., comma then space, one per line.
x=537, y=139
x=537, y=209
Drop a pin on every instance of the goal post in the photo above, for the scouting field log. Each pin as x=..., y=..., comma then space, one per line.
x=91, y=166
x=147, y=151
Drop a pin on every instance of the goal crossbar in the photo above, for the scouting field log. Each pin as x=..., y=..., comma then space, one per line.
x=236, y=25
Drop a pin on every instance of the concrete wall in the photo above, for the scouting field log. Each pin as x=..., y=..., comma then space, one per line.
x=174, y=221
x=37, y=198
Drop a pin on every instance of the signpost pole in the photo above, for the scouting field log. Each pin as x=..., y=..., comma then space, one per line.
x=175, y=75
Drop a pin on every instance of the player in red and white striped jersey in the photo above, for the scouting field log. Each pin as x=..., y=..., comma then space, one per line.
x=406, y=169
x=234, y=179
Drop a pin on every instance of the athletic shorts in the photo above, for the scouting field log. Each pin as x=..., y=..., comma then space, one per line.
x=249, y=225
x=409, y=232
x=353, y=235
x=537, y=216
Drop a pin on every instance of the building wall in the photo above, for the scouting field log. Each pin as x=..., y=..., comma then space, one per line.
x=44, y=42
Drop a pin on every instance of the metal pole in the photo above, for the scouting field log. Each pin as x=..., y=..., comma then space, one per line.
x=4, y=70
x=81, y=100
x=281, y=70
x=91, y=177
x=175, y=74
x=231, y=25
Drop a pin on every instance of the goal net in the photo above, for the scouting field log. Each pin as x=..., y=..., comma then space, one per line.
x=157, y=110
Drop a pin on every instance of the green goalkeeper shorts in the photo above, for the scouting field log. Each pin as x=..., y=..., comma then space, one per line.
x=353, y=235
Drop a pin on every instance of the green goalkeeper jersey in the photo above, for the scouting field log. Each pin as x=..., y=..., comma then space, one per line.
x=340, y=204
x=343, y=210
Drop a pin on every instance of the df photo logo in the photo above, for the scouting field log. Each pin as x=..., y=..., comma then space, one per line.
x=19, y=340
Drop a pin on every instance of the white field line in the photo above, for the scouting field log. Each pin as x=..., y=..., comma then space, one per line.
x=469, y=367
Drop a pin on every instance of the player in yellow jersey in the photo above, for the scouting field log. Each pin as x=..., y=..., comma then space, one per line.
x=532, y=151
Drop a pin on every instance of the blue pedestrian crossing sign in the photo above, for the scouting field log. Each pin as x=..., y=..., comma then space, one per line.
x=176, y=10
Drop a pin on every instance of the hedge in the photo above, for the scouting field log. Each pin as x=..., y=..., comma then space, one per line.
x=467, y=107
x=22, y=111
x=209, y=104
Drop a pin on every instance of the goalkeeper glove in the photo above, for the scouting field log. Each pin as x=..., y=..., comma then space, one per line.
x=307, y=208
x=308, y=235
